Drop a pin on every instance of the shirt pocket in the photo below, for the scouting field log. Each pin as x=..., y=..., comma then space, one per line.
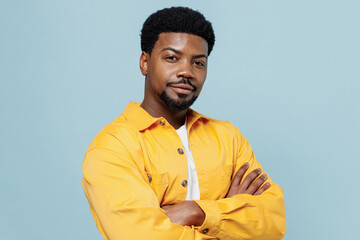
x=159, y=182
x=226, y=178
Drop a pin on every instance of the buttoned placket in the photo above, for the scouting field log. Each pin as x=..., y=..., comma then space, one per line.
x=180, y=150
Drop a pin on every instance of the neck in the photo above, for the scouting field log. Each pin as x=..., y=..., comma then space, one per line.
x=174, y=117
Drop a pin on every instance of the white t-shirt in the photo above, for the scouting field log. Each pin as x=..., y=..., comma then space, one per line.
x=193, y=192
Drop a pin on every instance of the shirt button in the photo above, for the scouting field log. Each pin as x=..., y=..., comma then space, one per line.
x=162, y=122
x=184, y=183
x=180, y=151
x=150, y=178
x=205, y=231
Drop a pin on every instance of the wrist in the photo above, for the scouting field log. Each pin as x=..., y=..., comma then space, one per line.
x=198, y=215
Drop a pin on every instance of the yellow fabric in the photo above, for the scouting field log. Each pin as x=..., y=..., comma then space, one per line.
x=133, y=166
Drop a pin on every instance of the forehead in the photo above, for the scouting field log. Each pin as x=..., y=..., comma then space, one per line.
x=183, y=42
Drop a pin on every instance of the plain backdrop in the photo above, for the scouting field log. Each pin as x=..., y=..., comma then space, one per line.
x=286, y=73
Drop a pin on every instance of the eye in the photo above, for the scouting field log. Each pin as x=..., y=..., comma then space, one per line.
x=199, y=63
x=171, y=58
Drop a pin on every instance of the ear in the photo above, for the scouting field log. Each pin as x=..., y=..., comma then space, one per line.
x=144, y=63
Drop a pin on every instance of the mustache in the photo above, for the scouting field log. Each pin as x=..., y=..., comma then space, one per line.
x=183, y=81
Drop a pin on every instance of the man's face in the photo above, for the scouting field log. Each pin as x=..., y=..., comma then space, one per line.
x=176, y=69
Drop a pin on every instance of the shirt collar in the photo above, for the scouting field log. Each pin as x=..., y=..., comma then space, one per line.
x=143, y=120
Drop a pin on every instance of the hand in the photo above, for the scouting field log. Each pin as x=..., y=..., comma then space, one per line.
x=249, y=185
x=185, y=213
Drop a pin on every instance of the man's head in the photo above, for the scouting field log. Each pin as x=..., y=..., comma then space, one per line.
x=176, y=43
x=177, y=20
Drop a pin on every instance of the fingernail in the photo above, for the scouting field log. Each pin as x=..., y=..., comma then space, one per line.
x=246, y=164
x=264, y=176
x=258, y=171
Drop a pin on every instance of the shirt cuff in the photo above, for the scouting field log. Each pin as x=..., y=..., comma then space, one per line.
x=211, y=223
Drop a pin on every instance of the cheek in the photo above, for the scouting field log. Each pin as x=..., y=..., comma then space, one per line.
x=162, y=71
x=201, y=73
x=201, y=79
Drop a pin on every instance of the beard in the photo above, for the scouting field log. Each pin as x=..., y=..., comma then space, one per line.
x=177, y=105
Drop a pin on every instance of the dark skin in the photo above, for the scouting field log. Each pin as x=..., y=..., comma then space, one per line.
x=178, y=56
x=175, y=56
x=252, y=184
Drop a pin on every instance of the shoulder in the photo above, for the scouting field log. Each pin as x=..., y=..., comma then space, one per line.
x=223, y=129
x=209, y=122
x=221, y=125
x=119, y=133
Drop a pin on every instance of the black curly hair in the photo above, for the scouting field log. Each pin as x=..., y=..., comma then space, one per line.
x=175, y=19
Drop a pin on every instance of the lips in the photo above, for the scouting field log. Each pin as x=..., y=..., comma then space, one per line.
x=182, y=88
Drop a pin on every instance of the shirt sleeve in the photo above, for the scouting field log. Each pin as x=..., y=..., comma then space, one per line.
x=245, y=216
x=122, y=203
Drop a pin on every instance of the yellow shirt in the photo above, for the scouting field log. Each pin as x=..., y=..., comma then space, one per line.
x=137, y=164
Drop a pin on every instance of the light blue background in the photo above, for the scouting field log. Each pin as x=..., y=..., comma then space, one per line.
x=286, y=73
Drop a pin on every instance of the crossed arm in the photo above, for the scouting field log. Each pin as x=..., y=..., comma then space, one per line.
x=124, y=206
x=188, y=213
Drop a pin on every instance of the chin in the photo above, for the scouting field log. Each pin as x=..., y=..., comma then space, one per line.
x=181, y=103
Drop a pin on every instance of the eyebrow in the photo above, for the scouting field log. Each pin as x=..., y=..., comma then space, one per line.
x=179, y=52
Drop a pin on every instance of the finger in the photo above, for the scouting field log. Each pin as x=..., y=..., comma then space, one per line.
x=262, y=189
x=255, y=185
x=240, y=174
x=250, y=178
x=234, y=187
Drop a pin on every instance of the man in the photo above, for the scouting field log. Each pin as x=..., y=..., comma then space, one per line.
x=162, y=170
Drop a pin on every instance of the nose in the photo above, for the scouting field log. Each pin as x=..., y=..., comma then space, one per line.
x=185, y=70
